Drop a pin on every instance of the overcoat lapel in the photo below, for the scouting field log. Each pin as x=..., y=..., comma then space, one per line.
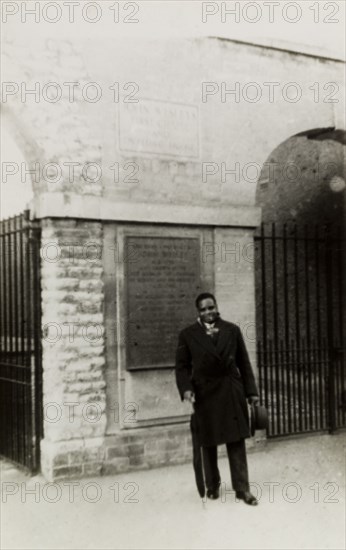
x=201, y=336
x=224, y=336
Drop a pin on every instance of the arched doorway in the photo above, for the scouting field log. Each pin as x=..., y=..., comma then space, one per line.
x=300, y=288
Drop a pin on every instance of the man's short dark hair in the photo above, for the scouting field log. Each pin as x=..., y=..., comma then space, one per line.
x=204, y=296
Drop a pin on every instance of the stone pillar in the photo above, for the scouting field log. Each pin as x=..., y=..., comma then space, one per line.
x=73, y=349
x=234, y=281
x=235, y=290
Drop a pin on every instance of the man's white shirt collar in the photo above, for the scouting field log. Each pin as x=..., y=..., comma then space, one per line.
x=207, y=325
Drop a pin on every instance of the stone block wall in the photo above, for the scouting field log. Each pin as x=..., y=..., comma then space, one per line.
x=154, y=447
x=139, y=449
x=73, y=344
x=147, y=448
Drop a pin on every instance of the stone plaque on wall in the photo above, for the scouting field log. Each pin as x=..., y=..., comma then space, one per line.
x=159, y=128
x=162, y=277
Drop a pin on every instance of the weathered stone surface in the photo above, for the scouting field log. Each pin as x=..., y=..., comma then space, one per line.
x=224, y=128
x=135, y=449
x=138, y=461
x=68, y=472
x=115, y=452
x=73, y=348
x=117, y=466
x=92, y=469
x=122, y=453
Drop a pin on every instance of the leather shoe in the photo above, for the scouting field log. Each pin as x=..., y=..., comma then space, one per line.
x=213, y=494
x=247, y=497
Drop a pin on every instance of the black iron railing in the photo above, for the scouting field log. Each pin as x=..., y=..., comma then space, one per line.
x=20, y=341
x=300, y=314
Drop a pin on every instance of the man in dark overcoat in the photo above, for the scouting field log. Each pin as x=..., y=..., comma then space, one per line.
x=214, y=373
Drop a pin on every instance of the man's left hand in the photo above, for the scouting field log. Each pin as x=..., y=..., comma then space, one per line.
x=253, y=399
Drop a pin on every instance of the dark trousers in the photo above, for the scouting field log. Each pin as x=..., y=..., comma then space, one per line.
x=238, y=465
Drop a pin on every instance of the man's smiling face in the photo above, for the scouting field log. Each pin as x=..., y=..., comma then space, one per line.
x=207, y=310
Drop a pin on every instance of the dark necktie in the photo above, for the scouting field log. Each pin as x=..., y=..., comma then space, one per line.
x=214, y=337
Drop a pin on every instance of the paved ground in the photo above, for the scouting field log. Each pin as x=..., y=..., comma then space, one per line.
x=161, y=509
